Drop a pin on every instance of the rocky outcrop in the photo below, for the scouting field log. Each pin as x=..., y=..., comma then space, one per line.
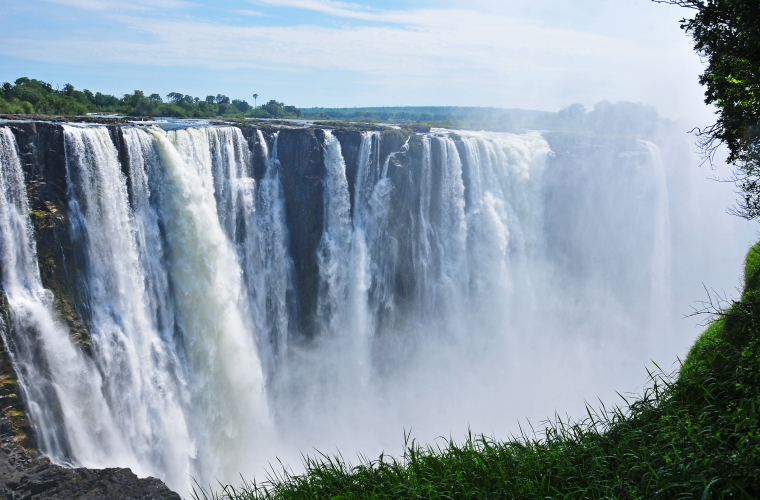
x=300, y=152
x=24, y=477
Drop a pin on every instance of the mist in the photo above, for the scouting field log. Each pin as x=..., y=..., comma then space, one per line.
x=602, y=271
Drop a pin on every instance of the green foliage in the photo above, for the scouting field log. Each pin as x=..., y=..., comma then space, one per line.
x=696, y=436
x=34, y=96
x=726, y=34
x=624, y=118
x=708, y=342
x=28, y=96
x=752, y=268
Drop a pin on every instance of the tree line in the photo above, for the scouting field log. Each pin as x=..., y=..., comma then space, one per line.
x=621, y=118
x=30, y=96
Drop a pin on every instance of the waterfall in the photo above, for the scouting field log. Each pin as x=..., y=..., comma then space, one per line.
x=424, y=244
x=174, y=351
x=363, y=307
x=269, y=268
x=225, y=373
x=143, y=384
x=62, y=388
x=450, y=225
x=504, y=206
x=464, y=240
x=381, y=249
x=334, y=249
x=661, y=254
x=182, y=258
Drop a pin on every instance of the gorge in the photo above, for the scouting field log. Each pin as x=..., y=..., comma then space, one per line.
x=189, y=299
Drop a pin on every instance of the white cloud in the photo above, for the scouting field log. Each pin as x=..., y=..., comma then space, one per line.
x=122, y=5
x=424, y=56
x=435, y=43
x=338, y=9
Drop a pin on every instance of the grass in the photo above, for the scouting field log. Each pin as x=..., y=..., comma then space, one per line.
x=691, y=434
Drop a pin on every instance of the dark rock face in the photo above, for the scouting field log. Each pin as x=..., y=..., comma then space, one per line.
x=11, y=403
x=302, y=174
x=350, y=143
x=258, y=158
x=22, y=477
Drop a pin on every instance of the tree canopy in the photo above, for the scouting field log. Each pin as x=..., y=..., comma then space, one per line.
x=726, y=34
x=29, y=96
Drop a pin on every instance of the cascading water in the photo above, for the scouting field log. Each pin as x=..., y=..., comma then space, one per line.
x=335, y=247
x=61, y=386
x=465, y=240
x=504, y=205
x=143, y=383
x=224, y=371
x=187, y=272
x=661, y=255
x=268, y=266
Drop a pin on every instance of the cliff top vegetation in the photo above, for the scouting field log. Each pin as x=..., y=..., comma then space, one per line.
x=30, y=96
x=624, y=118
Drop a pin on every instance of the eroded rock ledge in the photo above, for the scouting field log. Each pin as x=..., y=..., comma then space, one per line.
x=25, y=477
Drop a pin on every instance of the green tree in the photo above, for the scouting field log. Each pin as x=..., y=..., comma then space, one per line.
x=175, y=97
x=292, y=111
x=726, y=34
x=27, y=96
x=241, y=106
x=274, y=109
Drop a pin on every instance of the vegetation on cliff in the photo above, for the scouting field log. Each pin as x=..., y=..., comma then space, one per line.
x=616, y=118
x=695, y=434
x=29, y=96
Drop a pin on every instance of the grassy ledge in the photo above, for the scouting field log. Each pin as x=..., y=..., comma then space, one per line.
x=692, y=434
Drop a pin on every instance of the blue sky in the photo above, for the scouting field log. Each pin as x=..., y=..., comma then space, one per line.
x=536, y=54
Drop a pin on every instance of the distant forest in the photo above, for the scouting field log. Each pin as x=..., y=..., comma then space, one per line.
x=29, y=96
x=605, y=117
